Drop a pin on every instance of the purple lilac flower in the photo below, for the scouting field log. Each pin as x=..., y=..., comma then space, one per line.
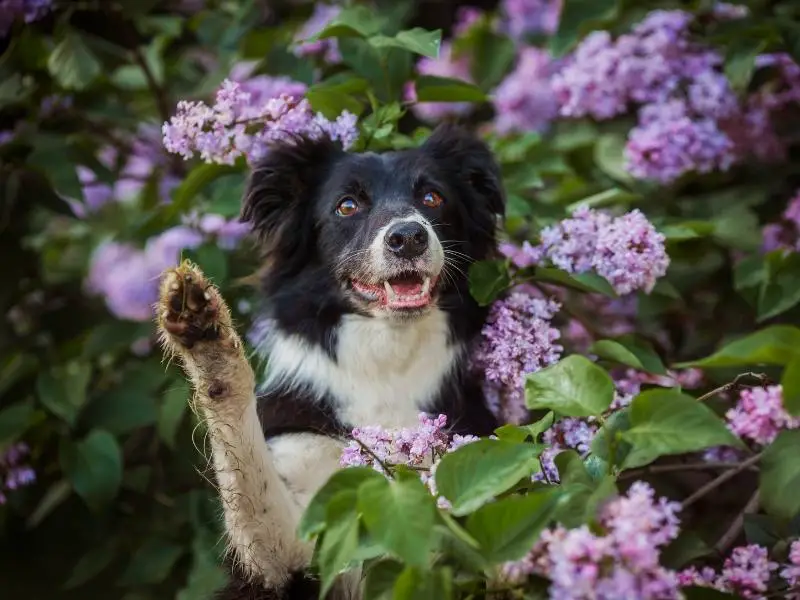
x=785, y=234
x=522, y=256
x=53, y=104
x=127, y=277
x=668, y=143
x=524, y=100
x=726, y=10
x=613, y=317
x=626, y=250
x=14, y=473
x=621, y=560
x=746, y=572
x=791, y=572
x=630, y=254
x=528, y=17
x=446, y=65
x=466, y=18
x=328, y=47
x=517, y=339
x=27, y=10
x=236, y=126
x=759, y=415
x=572, y=433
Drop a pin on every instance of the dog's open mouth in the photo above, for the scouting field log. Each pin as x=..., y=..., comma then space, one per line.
x=408, y=290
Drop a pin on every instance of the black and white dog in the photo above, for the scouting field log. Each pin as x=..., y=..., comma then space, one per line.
x=365, y=282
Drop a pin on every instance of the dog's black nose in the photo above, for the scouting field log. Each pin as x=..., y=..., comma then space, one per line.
x=407, y=240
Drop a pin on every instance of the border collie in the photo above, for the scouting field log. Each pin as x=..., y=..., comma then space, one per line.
x=365, y=285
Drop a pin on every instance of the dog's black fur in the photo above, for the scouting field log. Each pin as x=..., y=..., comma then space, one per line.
x=290, y=203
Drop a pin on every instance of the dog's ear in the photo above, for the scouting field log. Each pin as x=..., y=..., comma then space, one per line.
x=278, y=199
x=471, y=161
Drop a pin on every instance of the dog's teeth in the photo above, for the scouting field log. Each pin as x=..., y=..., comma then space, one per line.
x=389, y=291
x=426, y=287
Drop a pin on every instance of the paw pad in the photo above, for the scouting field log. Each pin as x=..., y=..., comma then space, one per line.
x=189, y=308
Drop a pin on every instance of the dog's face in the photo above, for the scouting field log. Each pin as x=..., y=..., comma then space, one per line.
x=394, y=231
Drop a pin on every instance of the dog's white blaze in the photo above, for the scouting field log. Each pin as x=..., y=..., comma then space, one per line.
x=434, y=254
x=387, y=370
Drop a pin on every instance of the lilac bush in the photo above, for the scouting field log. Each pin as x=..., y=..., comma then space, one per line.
x=641, y=340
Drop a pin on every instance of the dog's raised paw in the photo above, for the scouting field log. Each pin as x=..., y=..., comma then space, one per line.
x=190, y=308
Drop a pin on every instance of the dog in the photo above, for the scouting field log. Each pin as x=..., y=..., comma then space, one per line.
x=365, y=286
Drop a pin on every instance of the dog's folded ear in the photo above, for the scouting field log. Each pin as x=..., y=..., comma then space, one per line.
x=471, y=161
x=278, y=198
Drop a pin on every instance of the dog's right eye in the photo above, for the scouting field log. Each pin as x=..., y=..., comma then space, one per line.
x=347, y=207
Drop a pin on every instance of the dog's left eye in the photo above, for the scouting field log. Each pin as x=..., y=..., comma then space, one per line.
x=347, y=207
x=432, y=200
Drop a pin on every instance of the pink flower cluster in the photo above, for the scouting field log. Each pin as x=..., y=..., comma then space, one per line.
x=14, y=473
x=690, y=119
x=243, y=122
x=618, y=559
x=625, y=250
x=524, y=100
x=746, y=572
x=785, y=234
x=759, y=415
x=522, y=18
x=327, y=48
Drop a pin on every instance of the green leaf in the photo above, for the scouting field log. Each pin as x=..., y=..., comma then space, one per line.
x=340, y=540
x=740, y=60
x=213, y=261
x=738, y=228
x=686, y=548
x=417, y=584
x=416, y=40
x=63, y=390
x=706, y=593
x=522, y=433
x=430, y=88
x=780, y=476
x=584, y=282
x=352, y=21
x=611, y=197
x=380, y=579
x=477, y=472
x=583, y=493
x=331, y=102
x=609, y=154
x=72, y=63
x=488, y=279
x=91, y=564
x=762, y=530
x=574, y=387
x=313, y=520
x=774, y=345
x=152, y=562
x=14, y=421
x=497, y=54
x=665, y=422
x=93, y=466
x=631, y=351
x=170, y=414
x=55, y=495
x=578, y=17
x=51, y=155
x=608, y=444
x=199, y=177
x=749, y=272
x=408, y=534
x=780, y=288
x=790, y=382
x=508, y=528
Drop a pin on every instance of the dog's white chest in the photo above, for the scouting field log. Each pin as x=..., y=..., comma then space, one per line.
x=386, y=371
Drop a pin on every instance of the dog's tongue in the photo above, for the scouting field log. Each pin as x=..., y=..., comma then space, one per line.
x=406, y=286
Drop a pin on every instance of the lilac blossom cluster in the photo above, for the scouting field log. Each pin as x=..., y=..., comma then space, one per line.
x=27, y=10
x=14, y=473
x=521, y=18
x=126, y=276
x=516, y=339
x=759, y=415
x=244, y=121
x=145, y=158
x=617, y=559
x=422, y=447
x=785, y=234
x=327, y=48
x=746, y=573
x=524, y=100
x=690, y=119
x=625, y=250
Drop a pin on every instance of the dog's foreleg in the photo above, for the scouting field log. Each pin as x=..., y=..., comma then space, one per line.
x=260, y=515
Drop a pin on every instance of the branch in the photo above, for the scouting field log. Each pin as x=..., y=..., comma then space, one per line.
x=715, y=483
x=729, y=537
x=701, y=466
x=369, y=451
x=158, y=92
x=736, y=383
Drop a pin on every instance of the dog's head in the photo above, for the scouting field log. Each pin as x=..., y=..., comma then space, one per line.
x=394, y=231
